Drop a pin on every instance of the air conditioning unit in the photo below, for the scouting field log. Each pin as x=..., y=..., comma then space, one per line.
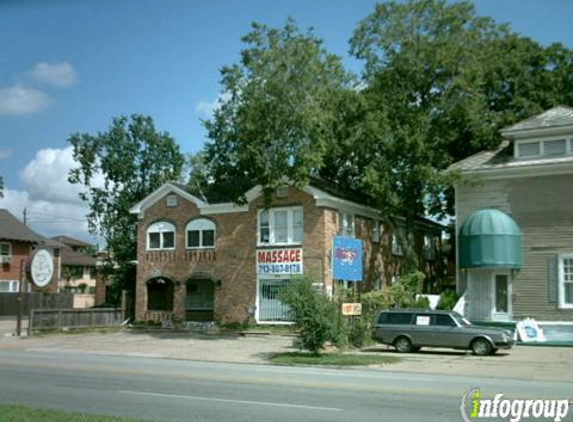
x=5, y=259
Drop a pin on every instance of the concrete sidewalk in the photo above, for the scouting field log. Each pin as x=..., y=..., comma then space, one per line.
x=521, y=362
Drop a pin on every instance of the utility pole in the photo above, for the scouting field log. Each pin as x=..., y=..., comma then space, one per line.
x=25, y=216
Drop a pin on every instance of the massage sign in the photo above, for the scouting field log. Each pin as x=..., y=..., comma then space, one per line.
x=279, y=261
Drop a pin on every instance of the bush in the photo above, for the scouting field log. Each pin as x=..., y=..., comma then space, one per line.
x=448, y=299
x=421, y=303
x=316, y=316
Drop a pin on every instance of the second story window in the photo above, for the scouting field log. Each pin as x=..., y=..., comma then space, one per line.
x=430, y=247
x=5, y=253
x=161, y=235
x=200, y=233
x=397, y=242
x=346, y=224
x=280, y=226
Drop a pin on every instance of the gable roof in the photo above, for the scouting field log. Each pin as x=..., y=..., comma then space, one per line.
x=163, y=190
x=12, y=229
x=556, y=117
x=330, y=197
x=501, y=159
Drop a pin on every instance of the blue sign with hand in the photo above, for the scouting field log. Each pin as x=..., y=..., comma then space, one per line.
x=347, y=259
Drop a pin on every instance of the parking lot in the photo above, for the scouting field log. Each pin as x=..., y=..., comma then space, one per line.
x=521, y=362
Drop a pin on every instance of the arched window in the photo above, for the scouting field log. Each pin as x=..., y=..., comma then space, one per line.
x=161, y=235
x=200, y=233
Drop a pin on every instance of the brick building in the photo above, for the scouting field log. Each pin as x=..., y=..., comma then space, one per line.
x=220, y=261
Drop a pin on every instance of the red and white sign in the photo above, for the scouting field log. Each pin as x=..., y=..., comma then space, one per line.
x=279, y=261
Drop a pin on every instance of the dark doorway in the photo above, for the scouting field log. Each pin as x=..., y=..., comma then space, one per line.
x=160, y=294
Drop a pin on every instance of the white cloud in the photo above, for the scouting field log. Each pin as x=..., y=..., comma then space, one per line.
x=48, y=218
x=61, y=75
x=46, y=176
x=53, y=204
x=5, y=153
x=18, y=100
x=206, y=107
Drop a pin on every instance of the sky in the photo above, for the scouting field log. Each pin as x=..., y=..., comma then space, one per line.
x=69, y=66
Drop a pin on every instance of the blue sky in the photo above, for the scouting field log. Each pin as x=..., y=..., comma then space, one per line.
x=70, y=65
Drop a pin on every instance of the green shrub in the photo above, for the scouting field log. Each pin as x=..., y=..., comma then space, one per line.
x=316, y=316
x=421, y=303
x=448, y=299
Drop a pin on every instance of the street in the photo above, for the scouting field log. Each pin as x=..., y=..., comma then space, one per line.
x=175, y=390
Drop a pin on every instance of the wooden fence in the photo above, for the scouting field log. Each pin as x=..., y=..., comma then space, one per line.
x=34, y=300
x=58, y=319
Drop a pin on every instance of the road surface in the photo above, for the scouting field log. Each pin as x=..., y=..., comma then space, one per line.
x=175, y=390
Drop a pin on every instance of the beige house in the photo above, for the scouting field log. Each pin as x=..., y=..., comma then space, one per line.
x=514, y=220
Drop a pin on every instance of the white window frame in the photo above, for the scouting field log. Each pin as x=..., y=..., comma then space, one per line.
x=541, y=142
x=562, y=282
x=161, y=227
x=200, y=225
x=343, y=220
x=290, y=226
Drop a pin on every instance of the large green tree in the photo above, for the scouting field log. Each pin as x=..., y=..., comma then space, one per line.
x=279, y=111
x=439, y=82
x=118, y=168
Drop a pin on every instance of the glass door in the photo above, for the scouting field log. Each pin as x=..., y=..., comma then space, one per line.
x=501, y=297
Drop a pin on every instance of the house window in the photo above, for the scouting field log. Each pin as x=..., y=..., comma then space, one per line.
x=9, y=286
x=161, y=235
x=5, y=253
x=429, y=248
x=346, y=224
x=200, y=233
x=397, y=243
x=547, y=148
x=528, y=149
x=557, y=147
x=376, y=231
x=281, y=226
x=566, y=281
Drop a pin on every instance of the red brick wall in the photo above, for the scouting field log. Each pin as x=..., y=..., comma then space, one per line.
x=21, y=252
x=233, y=260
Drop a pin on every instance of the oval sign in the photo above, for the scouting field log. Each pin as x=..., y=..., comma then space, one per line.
x=42, y=268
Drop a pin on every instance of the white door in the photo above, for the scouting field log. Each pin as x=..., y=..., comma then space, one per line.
x=501, y=297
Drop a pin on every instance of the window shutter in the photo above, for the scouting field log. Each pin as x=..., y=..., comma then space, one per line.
x=553, y=279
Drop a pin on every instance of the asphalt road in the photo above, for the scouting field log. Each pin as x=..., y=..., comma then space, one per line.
x=173, y=390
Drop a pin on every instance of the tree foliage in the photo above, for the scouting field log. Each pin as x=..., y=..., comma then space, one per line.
x=1, y=187
x=440, y=82
x=279, y=111
x=118, y=168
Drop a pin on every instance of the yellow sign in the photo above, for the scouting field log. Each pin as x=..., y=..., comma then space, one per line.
x=352, y=309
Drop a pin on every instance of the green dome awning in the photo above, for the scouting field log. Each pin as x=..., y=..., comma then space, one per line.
x=489, y=239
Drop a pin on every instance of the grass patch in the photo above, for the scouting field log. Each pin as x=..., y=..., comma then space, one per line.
x=331, y=359
x=14, y=413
